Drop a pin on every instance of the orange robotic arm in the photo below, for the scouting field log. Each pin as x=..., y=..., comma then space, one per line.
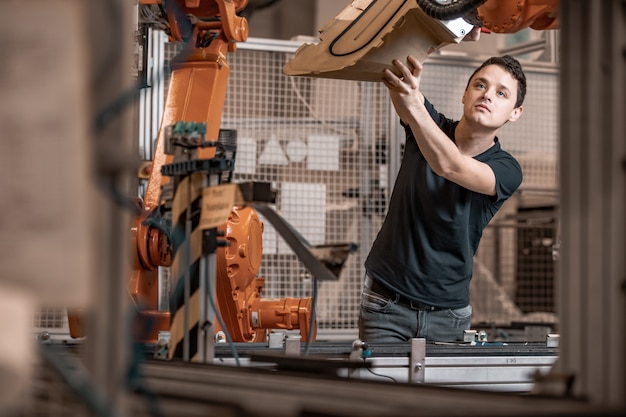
x=208, y=29
x=500, y=16
x=196, y=93
x=505, y=16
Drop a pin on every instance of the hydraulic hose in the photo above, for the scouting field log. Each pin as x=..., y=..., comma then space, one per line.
x=450, y=11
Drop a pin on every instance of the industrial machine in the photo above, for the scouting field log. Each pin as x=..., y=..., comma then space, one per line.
x=176, y=225
x=363, y=39
x=192, y=155
x=244, y=391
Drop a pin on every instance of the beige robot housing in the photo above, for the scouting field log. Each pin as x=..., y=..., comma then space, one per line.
x=363, y=39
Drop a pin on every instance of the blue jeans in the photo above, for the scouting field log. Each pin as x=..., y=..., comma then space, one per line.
x=383, y=318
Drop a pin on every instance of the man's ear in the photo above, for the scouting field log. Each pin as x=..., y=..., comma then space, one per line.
x=516, y=113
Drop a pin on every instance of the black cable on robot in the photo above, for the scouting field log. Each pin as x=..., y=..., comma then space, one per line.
x=209, y=166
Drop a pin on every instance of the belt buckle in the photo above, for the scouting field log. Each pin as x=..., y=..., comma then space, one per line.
x=422, y=307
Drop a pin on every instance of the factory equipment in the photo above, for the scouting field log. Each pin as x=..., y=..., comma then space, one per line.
x=177, y=225
x=192, y=220
x=363, y=39
x=257, y=395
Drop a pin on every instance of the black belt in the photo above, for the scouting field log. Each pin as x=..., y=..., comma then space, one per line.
x=397, y=298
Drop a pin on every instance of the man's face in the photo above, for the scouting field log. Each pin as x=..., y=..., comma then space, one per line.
x=489, y=100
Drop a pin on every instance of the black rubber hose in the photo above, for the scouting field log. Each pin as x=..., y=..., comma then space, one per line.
x=449, y=11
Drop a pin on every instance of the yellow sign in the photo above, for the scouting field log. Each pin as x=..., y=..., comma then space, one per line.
x=217, y=203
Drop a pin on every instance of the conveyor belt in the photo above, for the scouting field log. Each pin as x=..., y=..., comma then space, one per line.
x=510, y=367
x=181, y=389
x=343, y=349
x=259, y=393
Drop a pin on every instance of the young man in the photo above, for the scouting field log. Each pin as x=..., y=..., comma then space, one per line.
x=453, y=178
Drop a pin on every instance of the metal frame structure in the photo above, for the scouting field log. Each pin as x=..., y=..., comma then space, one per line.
x=591, y=281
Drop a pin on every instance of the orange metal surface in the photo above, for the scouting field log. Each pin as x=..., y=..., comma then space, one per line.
x=287, y=314
x=148, y=324
x=199, y=76
x=196, y=93
x=151, y=249
x=75, y=323
x=239, y=289
x=510, y=16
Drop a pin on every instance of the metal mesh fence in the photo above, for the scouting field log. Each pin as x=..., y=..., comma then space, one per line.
x=316, y=141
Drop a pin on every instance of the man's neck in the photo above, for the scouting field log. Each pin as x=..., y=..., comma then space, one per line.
x=471, y=141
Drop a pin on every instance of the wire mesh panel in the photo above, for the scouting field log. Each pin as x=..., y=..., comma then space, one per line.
x=515, y=270
x=535, y=281
x=51, y=324
x=315, y=141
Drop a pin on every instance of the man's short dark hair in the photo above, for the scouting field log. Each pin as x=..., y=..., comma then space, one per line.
x=513, y=67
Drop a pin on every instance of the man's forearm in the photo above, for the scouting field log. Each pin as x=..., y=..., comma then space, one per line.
x=440, y=152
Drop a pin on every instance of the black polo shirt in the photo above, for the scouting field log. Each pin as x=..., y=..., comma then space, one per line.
x=425, y=247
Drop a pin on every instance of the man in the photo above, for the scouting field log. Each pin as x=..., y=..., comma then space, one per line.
x=453, y=178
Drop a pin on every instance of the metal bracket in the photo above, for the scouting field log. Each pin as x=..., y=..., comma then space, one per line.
x=292, y=345
x=417, y=361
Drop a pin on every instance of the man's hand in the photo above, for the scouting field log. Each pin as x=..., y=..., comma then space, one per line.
x=404, y=89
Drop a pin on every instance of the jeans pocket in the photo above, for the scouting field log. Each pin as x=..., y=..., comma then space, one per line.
x=461, y=313
x=374, y=301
